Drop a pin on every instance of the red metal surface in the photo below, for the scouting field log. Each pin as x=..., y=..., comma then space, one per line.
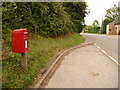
x=20, y=41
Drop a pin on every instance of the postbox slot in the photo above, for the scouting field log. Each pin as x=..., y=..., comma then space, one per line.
x=25, y=37
x=25, y=33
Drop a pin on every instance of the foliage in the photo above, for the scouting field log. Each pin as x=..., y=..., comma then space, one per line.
x=41, y=52
x=95, y=22
x=105, y=22
x=112, y=13
x=119, y=32
x=92, y=29
x=77, y=12
x=43, y=19
x=49, y=19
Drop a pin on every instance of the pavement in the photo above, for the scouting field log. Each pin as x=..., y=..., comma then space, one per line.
x=85, y=67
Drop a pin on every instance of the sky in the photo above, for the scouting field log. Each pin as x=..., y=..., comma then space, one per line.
x=98, y=9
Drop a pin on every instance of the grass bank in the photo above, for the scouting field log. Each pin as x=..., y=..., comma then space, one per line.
x=41, y=52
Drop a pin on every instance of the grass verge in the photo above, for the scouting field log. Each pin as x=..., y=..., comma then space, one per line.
x=41, y=51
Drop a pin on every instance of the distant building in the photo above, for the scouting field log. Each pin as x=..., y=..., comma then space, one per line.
x=113, y=28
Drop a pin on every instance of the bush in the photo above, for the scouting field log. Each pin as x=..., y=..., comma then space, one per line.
x=49, y=19
x=92, y=29
x=119, y=32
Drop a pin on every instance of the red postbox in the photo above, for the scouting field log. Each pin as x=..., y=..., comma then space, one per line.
x=20, y=41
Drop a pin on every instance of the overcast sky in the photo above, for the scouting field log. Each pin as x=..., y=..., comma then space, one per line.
x=98, y=9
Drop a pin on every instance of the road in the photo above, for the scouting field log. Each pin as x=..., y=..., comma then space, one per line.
x=108, y=43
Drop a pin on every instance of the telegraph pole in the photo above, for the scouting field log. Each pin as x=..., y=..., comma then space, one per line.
x=102, y=25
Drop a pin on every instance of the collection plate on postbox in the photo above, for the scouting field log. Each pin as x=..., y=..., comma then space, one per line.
x=20, y=41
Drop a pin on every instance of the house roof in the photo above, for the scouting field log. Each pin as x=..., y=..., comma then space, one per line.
x=115, y=22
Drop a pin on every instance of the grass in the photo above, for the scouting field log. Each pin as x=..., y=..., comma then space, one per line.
x=41, y=52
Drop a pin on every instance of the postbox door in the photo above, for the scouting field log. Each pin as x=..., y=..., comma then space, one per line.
x=26, y=41
x=26, y=45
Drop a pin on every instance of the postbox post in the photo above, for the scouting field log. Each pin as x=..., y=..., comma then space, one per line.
x=24, y=61
x=20, y=45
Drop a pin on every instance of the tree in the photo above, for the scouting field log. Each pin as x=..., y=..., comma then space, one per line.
x=95, y=26
x=49, y=19
x=92, y=29
x=105, y=22
x=112, y=13
x=95, y=23
x=77, y=12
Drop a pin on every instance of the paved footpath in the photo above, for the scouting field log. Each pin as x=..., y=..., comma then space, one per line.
x=85, y=67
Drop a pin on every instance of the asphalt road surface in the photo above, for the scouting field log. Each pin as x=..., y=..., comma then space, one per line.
x=108, y=43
